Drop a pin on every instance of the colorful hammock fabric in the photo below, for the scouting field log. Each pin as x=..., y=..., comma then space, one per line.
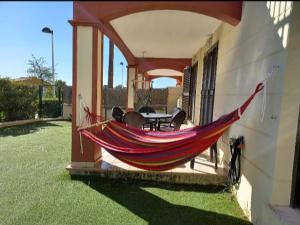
x=155, y=150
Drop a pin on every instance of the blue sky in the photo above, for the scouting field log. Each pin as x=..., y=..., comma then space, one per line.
x=21, y=24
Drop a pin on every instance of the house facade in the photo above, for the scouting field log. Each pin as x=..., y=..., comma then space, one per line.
x=224, y=49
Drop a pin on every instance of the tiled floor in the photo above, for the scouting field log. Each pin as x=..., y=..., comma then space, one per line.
x=202, y=166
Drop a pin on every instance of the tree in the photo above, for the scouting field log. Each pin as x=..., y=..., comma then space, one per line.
x=38, y=69
x=111, y=65
x=59, y=84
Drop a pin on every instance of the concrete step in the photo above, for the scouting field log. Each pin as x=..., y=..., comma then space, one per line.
x=203, y=173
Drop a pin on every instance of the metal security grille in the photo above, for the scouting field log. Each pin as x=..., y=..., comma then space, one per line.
x=192, y=92
x=208, y=86
x=186, y=88
x=208, y=93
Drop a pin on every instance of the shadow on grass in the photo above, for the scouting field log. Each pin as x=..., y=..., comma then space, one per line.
x=155, y=210
x=25, y=129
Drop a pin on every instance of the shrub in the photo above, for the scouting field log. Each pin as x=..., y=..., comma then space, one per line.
x=17, y=101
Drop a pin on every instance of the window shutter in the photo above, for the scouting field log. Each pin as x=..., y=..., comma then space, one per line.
x=186, y=88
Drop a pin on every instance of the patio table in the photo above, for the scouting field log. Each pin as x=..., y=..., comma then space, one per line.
x=156, y=116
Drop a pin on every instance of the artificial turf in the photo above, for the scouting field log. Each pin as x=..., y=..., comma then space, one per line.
x=35, y=188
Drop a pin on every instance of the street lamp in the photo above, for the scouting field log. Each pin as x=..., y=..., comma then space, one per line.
x=49, y=31
x=121, y=63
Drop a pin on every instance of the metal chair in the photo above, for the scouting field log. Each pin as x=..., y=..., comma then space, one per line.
x=117, y=113
x=134, y=119
x=168, y=121
x=175, y=123
x=150, y=122
x=175, y=110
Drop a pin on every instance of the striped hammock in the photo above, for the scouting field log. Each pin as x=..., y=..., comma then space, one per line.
x=155, y=150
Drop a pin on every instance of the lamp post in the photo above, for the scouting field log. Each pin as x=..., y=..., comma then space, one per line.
x=49, y=31
x=121, y=63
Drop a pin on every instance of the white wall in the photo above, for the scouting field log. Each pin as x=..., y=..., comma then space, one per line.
x=173, y=94
x=131, y=78
x=246, y=54
x=84, y=70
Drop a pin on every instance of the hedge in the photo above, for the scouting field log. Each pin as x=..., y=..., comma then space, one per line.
x=51, y=108
x=17, y=101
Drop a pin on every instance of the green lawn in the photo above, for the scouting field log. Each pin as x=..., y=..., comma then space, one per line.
x=35, y=188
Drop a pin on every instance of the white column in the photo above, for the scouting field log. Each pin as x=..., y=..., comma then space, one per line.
x=139, y=81
x=131, y=71
x=87, y=89
x=84, y=71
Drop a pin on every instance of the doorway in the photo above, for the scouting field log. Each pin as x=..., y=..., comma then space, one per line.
x=208, y=85
x=208, y=93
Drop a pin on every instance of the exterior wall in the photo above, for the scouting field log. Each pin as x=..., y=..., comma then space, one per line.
x=198, y=58
x=131, y=73
x=67, y=111
x=173, y=94
x=87, y=89
x=99, y=81
x=84, y=66
x=267, y=36
x=147, y=85
x=289, y=113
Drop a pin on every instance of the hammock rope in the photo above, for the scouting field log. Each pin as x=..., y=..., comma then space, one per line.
x=156, y=150
x=89, y=119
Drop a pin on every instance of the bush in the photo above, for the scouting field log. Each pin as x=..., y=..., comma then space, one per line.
x=51, y=107
x=17, y=101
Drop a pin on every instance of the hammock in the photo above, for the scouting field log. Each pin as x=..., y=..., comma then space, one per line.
x=154, y=150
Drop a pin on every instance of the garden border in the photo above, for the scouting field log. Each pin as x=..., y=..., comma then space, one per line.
x=23, y=122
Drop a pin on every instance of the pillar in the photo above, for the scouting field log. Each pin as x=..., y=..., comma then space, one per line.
x=131, y=76
x=147, y=84
x=140, y=81
x=87, y=89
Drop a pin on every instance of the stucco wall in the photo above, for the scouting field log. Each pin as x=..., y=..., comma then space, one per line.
x=173, y=94
x=84, y=69
x=130, y=87
x=267, y=36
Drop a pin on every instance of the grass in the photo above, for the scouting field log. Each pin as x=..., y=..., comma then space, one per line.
x=35, y=188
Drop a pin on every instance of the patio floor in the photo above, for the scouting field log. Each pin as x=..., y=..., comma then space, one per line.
x=203, y=172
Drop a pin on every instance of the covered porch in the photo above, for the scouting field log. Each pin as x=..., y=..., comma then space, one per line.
x=158, y=39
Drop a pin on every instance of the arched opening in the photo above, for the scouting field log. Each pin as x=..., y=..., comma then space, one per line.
x=115, y=90
x=164, y=82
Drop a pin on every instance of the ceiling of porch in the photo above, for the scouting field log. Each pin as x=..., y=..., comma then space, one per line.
x=164, y=72
x=164, y=33
x=157, y=34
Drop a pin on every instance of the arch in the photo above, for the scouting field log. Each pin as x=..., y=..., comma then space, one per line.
x=146, y=64
x=101, y=13
x=229, y=12
x=178, y=78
